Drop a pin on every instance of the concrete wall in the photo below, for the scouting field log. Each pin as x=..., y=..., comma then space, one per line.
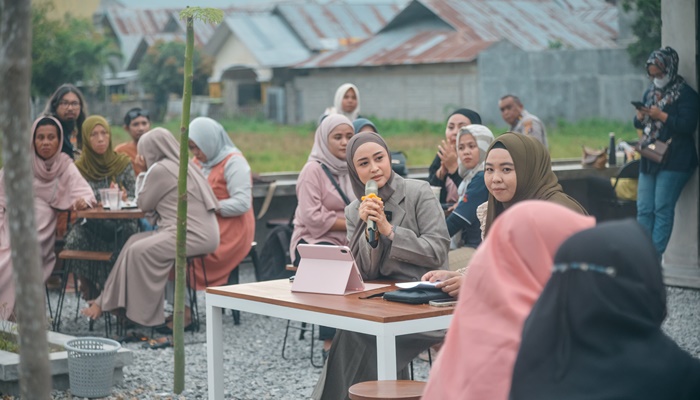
x=427, y=92
x=679, y=30
x=560, y=84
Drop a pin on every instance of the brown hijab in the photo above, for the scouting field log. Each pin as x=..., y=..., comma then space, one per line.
x=358, y=187
x=535, y=178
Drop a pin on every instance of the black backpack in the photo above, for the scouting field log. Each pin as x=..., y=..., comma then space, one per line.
x=274, y=255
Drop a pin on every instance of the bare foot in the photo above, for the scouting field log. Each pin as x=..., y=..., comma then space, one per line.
x=92, y=312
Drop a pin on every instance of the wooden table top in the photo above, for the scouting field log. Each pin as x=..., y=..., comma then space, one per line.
x=278, y=292
x=101, y=213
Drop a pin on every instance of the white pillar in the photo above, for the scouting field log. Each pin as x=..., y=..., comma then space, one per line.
x=679, y=30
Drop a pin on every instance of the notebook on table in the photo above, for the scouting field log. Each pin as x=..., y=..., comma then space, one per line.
x=329, y=270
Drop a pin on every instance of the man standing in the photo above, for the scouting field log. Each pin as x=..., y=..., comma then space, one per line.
x=67, y=104
x=136, y=122
x=521, y=121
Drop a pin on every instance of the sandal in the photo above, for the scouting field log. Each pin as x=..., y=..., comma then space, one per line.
x=132, y=337
x=155, y=344
x=166, y=330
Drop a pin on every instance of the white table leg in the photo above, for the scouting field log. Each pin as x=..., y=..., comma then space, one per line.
x=215, y=353
x=386, y=357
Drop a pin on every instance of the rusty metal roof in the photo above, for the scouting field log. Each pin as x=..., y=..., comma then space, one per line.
x=449, y=31
x=531, y=25
x=329, y=26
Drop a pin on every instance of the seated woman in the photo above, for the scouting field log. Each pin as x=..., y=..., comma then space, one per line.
x=473, y=142
x=57, y=186
x=517, y=168
x=508, y=157
x=323, y=191
x=443, y=171
x=506, y=276
x=228, y=173
x=138, y=279
x=595, y=331
x=409, y=220
x=102, y=168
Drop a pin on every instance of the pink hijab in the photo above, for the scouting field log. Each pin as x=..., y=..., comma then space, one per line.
x=321, y=153
x=506, y=276
x=54, y=179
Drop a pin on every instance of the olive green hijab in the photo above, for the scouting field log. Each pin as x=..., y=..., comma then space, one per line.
x=535, y=178
x=95, y=166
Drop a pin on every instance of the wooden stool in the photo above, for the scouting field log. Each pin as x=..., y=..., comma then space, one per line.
x=374, y=390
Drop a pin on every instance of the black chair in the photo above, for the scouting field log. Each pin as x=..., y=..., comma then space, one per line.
x=615, y=207
x=233, y=278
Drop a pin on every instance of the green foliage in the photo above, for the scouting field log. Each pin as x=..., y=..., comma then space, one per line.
x=270, y=147
x=161, y=72
x=207, y=15
x=68, y=50
x=647, y=28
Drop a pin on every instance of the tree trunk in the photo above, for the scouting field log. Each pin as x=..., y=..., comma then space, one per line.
x=15, y=73
x=181, y=244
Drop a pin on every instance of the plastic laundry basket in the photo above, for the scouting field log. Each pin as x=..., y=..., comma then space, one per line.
x=91, y=366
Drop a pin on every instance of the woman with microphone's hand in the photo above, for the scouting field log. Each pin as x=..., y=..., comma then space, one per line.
x=372, y=209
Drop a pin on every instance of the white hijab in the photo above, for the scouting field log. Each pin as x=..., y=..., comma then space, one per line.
x=483, y=137
x=212, y=139
x=338, y=101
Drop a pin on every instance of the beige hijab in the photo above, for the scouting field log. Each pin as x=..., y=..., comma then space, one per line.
x=160, y=146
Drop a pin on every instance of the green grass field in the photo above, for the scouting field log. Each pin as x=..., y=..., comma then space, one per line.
x=275, y=148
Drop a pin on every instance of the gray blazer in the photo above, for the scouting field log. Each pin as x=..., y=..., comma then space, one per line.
x=421, y=241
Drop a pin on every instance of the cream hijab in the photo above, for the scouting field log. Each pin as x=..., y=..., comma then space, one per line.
x=338, y=101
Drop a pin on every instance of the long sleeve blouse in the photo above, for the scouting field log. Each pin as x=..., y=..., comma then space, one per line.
x=420, y=243
x=238, y=185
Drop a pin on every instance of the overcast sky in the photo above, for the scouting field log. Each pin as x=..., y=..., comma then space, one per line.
x=226, y=3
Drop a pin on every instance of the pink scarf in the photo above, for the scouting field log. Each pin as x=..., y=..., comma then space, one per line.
x=506, y=276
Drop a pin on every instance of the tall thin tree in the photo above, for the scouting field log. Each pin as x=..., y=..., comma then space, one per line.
x=211, y=16
x=15, y=73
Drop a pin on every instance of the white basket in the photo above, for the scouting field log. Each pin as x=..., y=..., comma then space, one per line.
x=91, y=366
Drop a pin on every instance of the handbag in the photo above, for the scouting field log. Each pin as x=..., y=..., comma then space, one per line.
x=593, y=158
x=416, y=295
x=654, y=150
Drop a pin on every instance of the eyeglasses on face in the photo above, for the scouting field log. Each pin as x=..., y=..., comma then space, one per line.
x=137, y=113
x=68, y=104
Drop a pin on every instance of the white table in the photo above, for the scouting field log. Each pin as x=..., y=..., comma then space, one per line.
x=376, y=317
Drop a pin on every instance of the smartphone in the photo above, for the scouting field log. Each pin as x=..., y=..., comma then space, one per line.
x=443, y=302
x=638, y=104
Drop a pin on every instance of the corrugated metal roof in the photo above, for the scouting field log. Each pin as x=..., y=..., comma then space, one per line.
x=427, y=42
x=531, y=25
x=448, y=31
x=320, y=26
x=268, y=38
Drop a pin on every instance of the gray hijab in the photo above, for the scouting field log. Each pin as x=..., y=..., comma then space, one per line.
x=212, y=139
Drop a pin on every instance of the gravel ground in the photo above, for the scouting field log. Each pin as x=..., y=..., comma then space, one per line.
x=253, y=363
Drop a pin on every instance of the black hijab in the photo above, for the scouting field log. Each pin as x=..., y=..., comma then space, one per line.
x=595, y=332
x=473, y=116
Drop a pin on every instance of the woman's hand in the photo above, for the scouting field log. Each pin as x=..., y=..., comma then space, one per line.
x=641, y=113
x=80, y=204
x=441, y=173
x=372, y=208
x=656, y=114
x=448, y=156
x=448, y=281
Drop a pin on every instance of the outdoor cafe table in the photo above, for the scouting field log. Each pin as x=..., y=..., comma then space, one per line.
x=377, y=317
x=101, y=213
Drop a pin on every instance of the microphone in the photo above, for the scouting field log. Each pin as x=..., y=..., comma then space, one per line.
x=371, y=188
